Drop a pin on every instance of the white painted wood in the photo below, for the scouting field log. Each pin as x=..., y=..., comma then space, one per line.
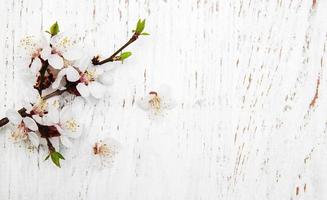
x=244, y=73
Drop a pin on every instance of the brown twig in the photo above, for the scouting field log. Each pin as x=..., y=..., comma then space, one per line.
x=50, y=146
x=53, y=94
x=43, y=69
x=96, y=60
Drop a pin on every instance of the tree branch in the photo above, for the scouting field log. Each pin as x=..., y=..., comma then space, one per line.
x=50, y=146
x=53, y=94
x=96, y=60
x=43, y=69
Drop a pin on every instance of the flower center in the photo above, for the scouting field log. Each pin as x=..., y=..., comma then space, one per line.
x=67, y=63
x=56, y=104
x=71, y=125
x=29, y=44
x=65, y=42
x=155, y=101
x=40, y=107
x=104, y=150
x=36, y=53
x=88, y=76
x=20, y=133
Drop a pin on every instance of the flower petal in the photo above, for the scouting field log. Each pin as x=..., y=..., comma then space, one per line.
x=115, y=147
x=46, y=52
x=72, y=74
x=65, y=141
x=61, y=74
x=144, y=103
x=65, y=114
x=52, y=117
x=13, y=116
x=83, y=90
x=164, y=91
x=83, y=63
x=27, y=106
x=78, y=106
x=107, y=78
x=56, y=61
x=30, y=123
x=98, y=70
x=113, y=143
x=96, y=89
x=36, y=65
x=72, y=134
x=72, y=54
x=34, y=138
x=169, y=104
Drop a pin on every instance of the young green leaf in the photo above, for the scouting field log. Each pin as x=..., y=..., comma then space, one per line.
x=54, y=29
x=140, y=26
x=60, y=156
x=144, y=33
x=55, y=157
x=125, y=55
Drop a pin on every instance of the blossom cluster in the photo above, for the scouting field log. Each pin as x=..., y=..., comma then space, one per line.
x=52, y=65
x=55, y=64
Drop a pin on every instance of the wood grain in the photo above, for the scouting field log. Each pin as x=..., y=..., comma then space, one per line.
x=251, y=116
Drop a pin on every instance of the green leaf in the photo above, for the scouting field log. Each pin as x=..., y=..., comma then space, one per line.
x=60, y=156
x=145, y=33
x=54, y=29
x=46, y=158
x=140, y=26
x=125, y=55
x=55, y=157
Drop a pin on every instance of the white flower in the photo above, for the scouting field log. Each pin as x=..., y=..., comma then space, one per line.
x=71, y=73
x=93, y=81
x=32, y=50
x=68, y=120
x=157, y=101
x=61, y=53
x=65, y=46
x=64, y=53
x=25, y=128
x=105, y=151
x=65, y=57
x=37, y=106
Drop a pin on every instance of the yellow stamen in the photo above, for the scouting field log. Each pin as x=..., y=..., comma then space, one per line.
x=155, y=102
x=40, y=106
x=105, y=150
x=72, y=125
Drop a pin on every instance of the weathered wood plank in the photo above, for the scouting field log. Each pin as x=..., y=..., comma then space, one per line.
x=250, y=121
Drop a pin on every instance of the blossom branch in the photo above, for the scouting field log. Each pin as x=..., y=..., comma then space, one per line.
x=53, y=94
x=137, y=32
x=112, y=58
x=54, y=29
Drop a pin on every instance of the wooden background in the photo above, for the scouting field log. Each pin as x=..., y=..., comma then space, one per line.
x=249, y=77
